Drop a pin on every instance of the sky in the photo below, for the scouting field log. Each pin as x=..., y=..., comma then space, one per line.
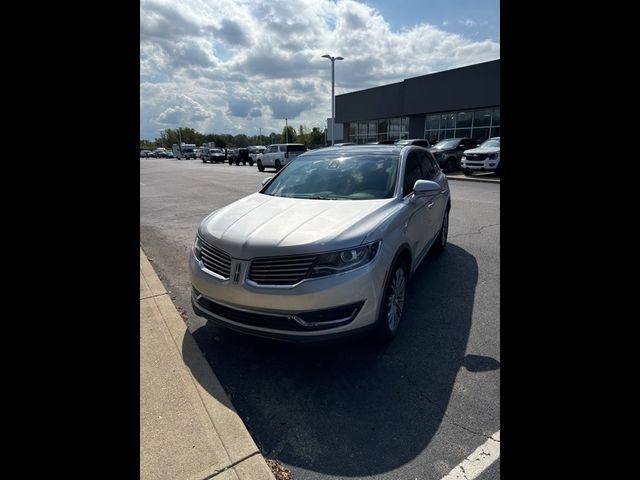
x=235, y=66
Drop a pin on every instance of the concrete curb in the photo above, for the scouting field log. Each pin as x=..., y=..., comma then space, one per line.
x=188, y=427
x=474, y=179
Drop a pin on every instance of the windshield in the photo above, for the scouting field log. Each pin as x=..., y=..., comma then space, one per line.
x=359, y=177
x=492, y=142
x=446, y=144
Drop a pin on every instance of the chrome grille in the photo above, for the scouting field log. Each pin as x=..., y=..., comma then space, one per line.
x=280, y=270
x=476, y=156
x=215, y=260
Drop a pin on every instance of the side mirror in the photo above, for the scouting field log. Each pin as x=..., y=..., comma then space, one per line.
x=268, y=179
x=426, y=188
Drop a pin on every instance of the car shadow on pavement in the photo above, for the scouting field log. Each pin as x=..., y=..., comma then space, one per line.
x=353, y=408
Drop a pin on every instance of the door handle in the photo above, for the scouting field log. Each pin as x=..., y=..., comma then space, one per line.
x=430, y=204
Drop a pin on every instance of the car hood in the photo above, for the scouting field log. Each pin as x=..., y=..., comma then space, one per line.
x=263, y=225
x=483, y=150
x=435, y=151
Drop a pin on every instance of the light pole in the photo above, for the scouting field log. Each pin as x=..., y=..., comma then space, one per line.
x=260, y=128
x=286, y=130
x=333, y=96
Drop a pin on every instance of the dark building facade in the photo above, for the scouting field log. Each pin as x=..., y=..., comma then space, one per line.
x=462, y=102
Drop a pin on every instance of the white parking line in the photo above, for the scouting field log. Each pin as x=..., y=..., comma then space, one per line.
x=478, y=461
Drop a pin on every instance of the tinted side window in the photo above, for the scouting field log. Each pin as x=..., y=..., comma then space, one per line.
x=412, y=173
x=428, y=166
x=297, y=148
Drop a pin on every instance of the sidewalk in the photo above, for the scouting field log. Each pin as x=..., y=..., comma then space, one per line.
x=487, y=177
x=188, y=428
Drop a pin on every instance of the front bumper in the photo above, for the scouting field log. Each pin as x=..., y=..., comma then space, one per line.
x=482, y=165
x=248, y=308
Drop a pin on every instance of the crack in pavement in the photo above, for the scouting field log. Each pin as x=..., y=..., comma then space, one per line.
x=475, y=233
x=449, y=420
x=445, y=415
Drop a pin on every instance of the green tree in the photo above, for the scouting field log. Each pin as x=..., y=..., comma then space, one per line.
x=301, y=137
x=317, y=137
x=288, y=133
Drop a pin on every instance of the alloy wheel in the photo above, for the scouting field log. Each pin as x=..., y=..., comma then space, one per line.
x=395, y=302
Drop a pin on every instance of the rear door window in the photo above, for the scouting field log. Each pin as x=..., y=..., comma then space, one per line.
x=412, y=173
x=429, y=170
x=296, y=148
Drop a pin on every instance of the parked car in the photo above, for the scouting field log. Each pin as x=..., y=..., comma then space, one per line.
x=343, y=144
x=383, y=142
x=449, y=151
x=240, y=155
x=145, y=153
x=255, y=151
x=484, y=158
x=421, y=142
x=214, y=155
x=325, y=248
x=279, y=154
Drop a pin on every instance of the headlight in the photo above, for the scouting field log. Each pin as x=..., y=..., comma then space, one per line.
x=197, y=247
x=463, y=158
x=344, y=260
x=493, y=156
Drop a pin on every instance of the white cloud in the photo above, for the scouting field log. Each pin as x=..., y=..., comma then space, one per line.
x=445, y=23
x=467, y=22
x=231, y=66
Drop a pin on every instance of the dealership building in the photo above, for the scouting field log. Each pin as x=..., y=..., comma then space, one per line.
x=462, y=102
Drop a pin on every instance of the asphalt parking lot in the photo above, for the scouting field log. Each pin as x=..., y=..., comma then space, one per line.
x=414, y=410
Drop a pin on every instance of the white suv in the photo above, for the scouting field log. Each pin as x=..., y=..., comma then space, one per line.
x=279, y=154
x=485, y=158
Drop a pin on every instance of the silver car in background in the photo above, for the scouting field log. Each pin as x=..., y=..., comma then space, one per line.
x=326, y=247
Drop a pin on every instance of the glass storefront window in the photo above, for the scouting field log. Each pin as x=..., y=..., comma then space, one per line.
x=352, y=128
x=431, y=135
x=482, y=118
x=383, y=127
x=433, y=122
x=480, y=133
x=448, y=120
x=447, y=133
x=463, y=120
x=496, y=117
x=495, y=132
x=463, y=132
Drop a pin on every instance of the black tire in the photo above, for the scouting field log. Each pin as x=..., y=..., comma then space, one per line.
x=251, y=163
x=260, y=166
x=467, y=172
x=393, y=298
x=278, y=165
x=203, y=160
x=441, y=240
x=450, y=165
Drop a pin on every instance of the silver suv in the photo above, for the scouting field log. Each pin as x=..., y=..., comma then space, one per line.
x=326, y=247
x=279, y=154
